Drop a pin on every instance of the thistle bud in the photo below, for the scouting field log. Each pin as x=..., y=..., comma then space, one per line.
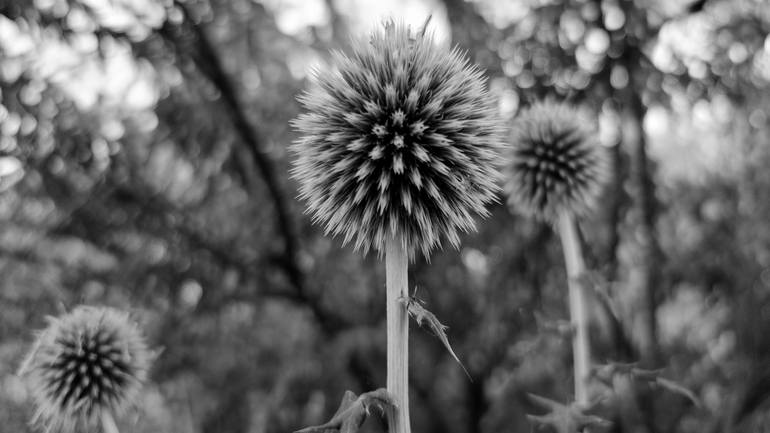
x=556, y=162
x=400, y=138
x=85, y=362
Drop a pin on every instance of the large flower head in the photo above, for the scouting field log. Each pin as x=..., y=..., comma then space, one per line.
x=85, y=362
x=556, y=163
x=400, y=138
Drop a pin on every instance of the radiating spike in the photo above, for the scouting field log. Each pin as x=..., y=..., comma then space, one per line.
x=376, y=152
x=379, y=131
x=420, y=153
x=398, y=117
x=384, y=181
x=356, y=145
x=406, y=200
x=412, y=101
x=414, y=176
x=418, y=128
x=391, y=95
x=398, y=164
x=372, y=108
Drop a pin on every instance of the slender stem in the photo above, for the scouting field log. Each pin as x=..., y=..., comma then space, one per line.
x=578, y=305
x=108, y=423
x=396, y=266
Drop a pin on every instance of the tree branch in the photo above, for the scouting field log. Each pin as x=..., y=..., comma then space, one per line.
x=207, y=61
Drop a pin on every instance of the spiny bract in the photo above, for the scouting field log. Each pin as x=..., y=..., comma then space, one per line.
x=90, y=360
x=556, y=163
x=402, y=139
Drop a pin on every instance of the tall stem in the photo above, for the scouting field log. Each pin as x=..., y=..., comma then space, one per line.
x=396, y=266
x=108, y=423
x=578, y=305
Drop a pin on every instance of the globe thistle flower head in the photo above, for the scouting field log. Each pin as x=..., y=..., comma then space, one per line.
x=556, y=162
x=85, y=362
x=399, y=138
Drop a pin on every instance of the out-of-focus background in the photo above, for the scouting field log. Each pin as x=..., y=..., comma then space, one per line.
x=143, y=165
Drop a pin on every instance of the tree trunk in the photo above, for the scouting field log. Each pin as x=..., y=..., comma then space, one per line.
x=477, y=404
x=643, y=269
x=642, y=260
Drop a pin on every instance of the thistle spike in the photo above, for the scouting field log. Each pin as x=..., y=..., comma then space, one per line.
x=86, y=363
x=556, y=162
x=406, y=119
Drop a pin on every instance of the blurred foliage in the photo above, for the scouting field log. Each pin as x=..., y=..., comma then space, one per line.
x=143, y=165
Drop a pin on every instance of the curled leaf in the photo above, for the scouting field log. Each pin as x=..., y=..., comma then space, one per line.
x=353, y=411
x=415, y=308
x=671, y=386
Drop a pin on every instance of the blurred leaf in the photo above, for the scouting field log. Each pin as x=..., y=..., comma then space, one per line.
x=561, y=327
x=353, y=411
x=565, y=418
x=606, y=372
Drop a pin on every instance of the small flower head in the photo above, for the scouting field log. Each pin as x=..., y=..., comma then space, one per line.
x=85, y=362
x=556, y=163
x=400, y=138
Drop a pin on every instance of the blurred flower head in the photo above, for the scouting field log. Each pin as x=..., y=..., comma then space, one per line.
x=556, y=162
x=400, y=138
x=85, y=362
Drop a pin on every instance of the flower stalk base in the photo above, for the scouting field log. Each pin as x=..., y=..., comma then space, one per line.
x=578, y=305
x=396, y=266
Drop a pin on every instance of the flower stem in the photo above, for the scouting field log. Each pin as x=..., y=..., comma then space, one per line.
x=578, y=305
x=396, y=266
x=108, y=423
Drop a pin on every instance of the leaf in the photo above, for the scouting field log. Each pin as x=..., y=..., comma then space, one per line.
x=565, y=418
x=420, y=314
x=598, y=286
x=676, y=388
x=353, y=411
x=605, y=373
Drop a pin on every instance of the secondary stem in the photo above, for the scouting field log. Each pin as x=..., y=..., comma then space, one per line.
x=578, y=305
x=108, y=423
x=396, y=266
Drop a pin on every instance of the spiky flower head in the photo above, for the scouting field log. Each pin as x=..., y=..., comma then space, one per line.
x=556, y=162
x=90, y=360
x=400, y=138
